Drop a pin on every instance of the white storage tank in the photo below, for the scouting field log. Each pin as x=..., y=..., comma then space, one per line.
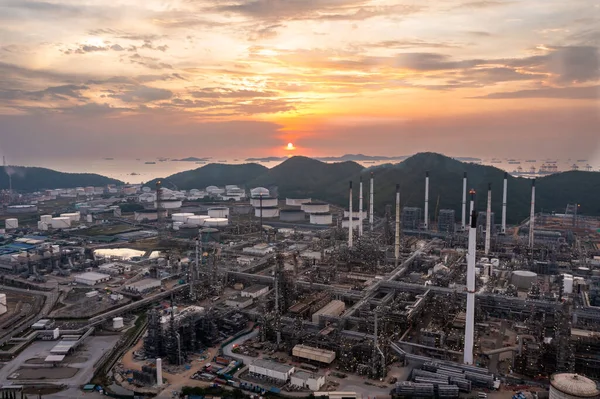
x=118, y=323
x=43, y=226
x=572, y=386
x=169, y=204
x=523, y=279
x=74, y=216
x=11, y=224
x=216, y=222
x=323, y=219
x=266, y=202
x=267, y=212
x=315, y=207
x=218, y=212
x=61, y=223
x=46, y=218
x=258, y=191
x=296, y=201
x=196, y=220
x=89, y=218
x=181, y=217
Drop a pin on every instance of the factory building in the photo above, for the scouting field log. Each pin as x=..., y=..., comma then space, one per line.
x=91, y=278
x=18, y=209
x=572, y=386
x=333, y=308
x=482, y=220
x=143, y=285
x=254, y=291
x=239, y=302
x=259, y=249
x=292, y=215
x=346, y=223
x=11, y=224
x=411, y=218
x=114, y=269
x=305, y=379
x=145, y=214
x=446, y=221
x=313, y=354
x=276, y=371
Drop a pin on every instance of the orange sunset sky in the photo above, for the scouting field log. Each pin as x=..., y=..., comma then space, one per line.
x=240, y=78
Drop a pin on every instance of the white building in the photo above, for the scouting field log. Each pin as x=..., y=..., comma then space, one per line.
x=258, y=249
x=239, y=302
x=266, y=368
x=333, y=308
x=305, y=379
x=114, y=268
x=254, y=291
x=91, y=278
x=143, y=285
x=314, y=354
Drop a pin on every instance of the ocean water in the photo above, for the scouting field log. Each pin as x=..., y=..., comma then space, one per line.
x=136, y=171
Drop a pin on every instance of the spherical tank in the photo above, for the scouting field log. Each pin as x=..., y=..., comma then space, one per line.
x=523, y=279
x=572, y=386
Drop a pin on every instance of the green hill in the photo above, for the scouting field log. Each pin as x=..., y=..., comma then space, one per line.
x=213, y=174
x=32, y=179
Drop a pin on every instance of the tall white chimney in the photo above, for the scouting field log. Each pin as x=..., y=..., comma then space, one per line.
x=350, y=219
x=532, y=214
x=397, y=242
x=504, y=195
x=360, y=209
x=426, y=211
x=159, y=377
x=371, y=203
x=488, y=220
x=471, y=204
x=470, y=322
x=464, y=203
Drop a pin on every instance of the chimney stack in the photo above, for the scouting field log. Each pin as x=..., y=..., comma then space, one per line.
x=159, y=377
x=532, y=214
x=488, y=220
x=464, y=203
x=470, y=322
x=504, y=195
x=397, y=242
x=471, y=205
x=360, y=209
x=350, y=219
x=371, y=203
x=426, y=211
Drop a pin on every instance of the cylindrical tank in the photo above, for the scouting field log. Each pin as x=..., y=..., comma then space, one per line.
x=292, y=215
x=46, y=218
x=196, y=220
x=296, y=201
x=12, y=209
x=216, y=222
x=61, y=222
x=523, y=279
x=267, y=212
x=210, y=234
x=146, y=189
x=266, y=202
x=315, y=207
x=11, y=224
x=572, y=386
x=218, y=212
x=117, y=323
x=74, y=216
x=170, y=204
x=258, y=191
x=43, y=226
x=321, y=218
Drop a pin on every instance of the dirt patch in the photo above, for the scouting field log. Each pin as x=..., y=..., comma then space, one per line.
x=35, y=360
x=45, y=373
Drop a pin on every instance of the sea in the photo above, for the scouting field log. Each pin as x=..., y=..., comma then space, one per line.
x=138, y=171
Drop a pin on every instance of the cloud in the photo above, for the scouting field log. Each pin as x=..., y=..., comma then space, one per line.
x=149, y=62
x=484, y=4
x=571, y=93
x=413, y=43
x=230, y=93
x=63, y=92
x=143, y=94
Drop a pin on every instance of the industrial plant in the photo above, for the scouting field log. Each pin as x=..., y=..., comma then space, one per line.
x=152, y=289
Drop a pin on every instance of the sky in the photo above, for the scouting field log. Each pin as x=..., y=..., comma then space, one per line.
x=86, y=79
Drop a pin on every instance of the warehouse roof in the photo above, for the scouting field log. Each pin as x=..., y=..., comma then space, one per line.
x=54, y=358
x=143, y=282
x=313, y=351
x=92, y=276
x=239, y=299
x=267, y=364
x=254, y=288
x=305, y=375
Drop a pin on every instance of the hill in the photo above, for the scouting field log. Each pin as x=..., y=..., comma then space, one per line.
x=32, y=179
x=213, y=174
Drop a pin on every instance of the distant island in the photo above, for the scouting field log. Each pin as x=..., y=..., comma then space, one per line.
x=267, y=159
x=191, y=159
x=361, y=158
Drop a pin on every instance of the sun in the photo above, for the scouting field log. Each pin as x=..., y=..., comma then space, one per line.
x=290, y=147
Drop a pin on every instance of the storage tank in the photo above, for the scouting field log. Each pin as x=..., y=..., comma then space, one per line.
x=315, y=207
x=572, y=386
x=90, y=218
x=11, y=224
x=323, y=219
x=117, y=323
x=218, y=212
x=146, y=189
x=12, y=209
x=74, y=216
x=523, y=279
x=210, y=235
x=258, y=191
x=196, y=220
x=296, y=201
x=216, y=222
x=46, y=218
x=267, y=212
x=61, y=222
x=292, y=215
x=43, y=226
x=213, y=190
x=169, y=204
x=266, y=202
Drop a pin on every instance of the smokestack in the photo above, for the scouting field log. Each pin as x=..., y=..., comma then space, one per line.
x=470, y=322
x=426, y=213
x=472, y=204
x=532, y=214
x=397, y=242
x=464, y=203
x=159, y=378
x=350, y=219
x=371, y=203
x=504, y=194
x=360, y=209
x=488, y=220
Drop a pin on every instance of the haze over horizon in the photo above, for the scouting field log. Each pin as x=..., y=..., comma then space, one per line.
x=237, y=79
